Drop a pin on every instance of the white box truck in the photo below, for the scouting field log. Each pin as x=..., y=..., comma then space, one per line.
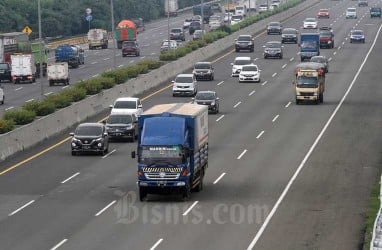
x=23, y=68
x=58, y=73
x=171, y=7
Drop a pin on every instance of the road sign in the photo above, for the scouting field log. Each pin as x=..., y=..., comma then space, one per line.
x=88, y=11
x=89, y=18
x=27, y=30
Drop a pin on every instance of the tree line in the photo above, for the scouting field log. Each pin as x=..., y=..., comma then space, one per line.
x=68, y=17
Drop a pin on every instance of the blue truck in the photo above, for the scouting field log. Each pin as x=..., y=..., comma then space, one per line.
x=309, y=45
x=172, y=149
x=72, y=54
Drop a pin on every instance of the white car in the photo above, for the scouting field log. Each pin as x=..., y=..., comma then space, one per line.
x=127, y=105
x=227, y=17
x=185, y=84
x=238, y=64
x=236, y=19
x=187, y=23
x=310, y=23
x=2, y=96
x=263, y=7
x=351, y=13
x=249, y=73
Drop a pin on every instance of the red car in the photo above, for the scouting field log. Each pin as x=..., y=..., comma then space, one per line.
x=323, y=13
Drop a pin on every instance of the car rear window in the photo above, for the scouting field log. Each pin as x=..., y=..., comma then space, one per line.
x=123, y=119
x=184, y=79
x=88, y=130
x=125, y=105
x=242, y=62
x=202, y=66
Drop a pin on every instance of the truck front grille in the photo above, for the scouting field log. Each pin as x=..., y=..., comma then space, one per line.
x=162, y=176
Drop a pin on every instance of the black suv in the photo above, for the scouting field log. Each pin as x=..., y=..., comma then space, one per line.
x=203, y=70
x=289, y=35
x=130, y=48
x=209, y=98
x=194, y=25
x=5, y=72
x=273, y=49
x=177, y=34
x=274, y=28
x=122, y=126
x=90, y=137
x=245, y=42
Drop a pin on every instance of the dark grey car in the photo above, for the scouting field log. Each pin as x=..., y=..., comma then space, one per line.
x=273, y=49
x=244, y=42
x=203, y=71
x=122, y=126
x=209, y=98
x=90, y=137
x=274, y=28
x=289, y=35
x=177, y=34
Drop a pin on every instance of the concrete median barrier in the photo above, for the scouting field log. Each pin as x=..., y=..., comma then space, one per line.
x=26, y=136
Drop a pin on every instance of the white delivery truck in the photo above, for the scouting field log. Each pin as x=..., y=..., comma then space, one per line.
x=23, y=68
x=58, y=73
x=97, y=38
x=171, y=7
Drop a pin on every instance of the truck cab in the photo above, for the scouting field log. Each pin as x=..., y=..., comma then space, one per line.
x=309, y=82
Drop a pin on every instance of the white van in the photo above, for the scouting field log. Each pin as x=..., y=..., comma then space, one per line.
x=241, y=10
x=127, y=105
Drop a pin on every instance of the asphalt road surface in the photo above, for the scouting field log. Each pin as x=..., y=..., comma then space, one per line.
x=280, y=176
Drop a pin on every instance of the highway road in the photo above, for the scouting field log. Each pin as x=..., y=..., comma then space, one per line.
x=280, y=176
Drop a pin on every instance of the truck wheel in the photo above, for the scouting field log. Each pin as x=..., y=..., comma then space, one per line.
x=199, y=187
x=186, y=194
x=297, y=101
x=321, y=98
x=142, y=194
x=50, y=83
x=74, y=153
x=67, y=82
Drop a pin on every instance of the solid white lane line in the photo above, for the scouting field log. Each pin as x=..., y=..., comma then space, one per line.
x=274, y=74
x=156, y=244
x=259, y=135
x=275, y=118
x=284, y=66
x=103, y=209
x=241, y=155
x=143, y=57
x=120, y=65
x=95, y=75
x=219, y=178
x=220, y=83
x=256, y=59
x=71, y=177
x=93, y=62
x=264, y=83
x=118, y=54
x=190, y=208
x=252, y=92
x=237, y=104
x=106, y=155
x=302, y=164
x=49, y=93
x=65, y=87
x=107, y=58
x=291, y=59
x=59, y=244
x=132, y=61
x=9, y=108
x=21, y=208
x=153, y=53
x=30, y=100
x=289, y=103
x=18, y=88
x=221, y=117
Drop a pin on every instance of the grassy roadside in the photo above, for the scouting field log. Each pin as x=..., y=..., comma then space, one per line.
x=371, y=214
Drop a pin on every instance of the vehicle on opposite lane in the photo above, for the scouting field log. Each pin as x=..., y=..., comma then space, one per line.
x=90, y=137
x=130, y=48
x=177, y=34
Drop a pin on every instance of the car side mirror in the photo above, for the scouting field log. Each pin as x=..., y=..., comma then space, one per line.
x=133, y=154
x=217, y=98
x=173, y=81
x=140, y=106
x=193, y=98
x=263, y=46
x=71, y=134
x=111, y=106
x=232, y=64
x=105, y=134
x=235, y=40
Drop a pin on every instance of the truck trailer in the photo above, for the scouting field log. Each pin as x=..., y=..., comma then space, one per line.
x=171, y=7
x=58, y=73
x=72, y=54
x=172, y=149
x=126, y=31
x=23, y=68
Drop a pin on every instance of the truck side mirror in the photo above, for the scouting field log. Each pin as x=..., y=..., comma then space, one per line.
x=133, y=154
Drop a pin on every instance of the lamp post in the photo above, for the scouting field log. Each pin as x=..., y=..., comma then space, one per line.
x=40, y=53
x=168, y=22
x=112, y=34
x=202, y=12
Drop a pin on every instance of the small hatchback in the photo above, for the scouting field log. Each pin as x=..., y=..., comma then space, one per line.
x=238, y=64
x=209, y=98
x=249, y=73
x=130, y=48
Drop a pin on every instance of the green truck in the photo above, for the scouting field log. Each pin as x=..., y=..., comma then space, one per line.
x=38, y=59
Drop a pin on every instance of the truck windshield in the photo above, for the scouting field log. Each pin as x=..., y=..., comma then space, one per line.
x=309, y=45
x=307, y=82
x=158, y=154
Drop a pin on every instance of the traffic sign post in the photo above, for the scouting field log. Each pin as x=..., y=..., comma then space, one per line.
x=27, y=30
x=89, y=18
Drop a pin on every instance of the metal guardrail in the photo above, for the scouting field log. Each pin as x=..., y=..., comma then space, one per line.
x=71, y=41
